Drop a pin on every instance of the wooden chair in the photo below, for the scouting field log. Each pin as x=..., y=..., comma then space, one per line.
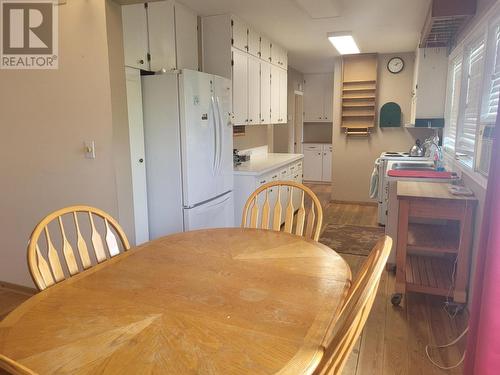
x=46, y=271
x=267, y=217
x=345, y=330
x=10, y=367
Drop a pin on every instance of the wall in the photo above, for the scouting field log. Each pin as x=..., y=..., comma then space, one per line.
x=317, y=132
x=353, y=157
x=255, y=135
x=46, y=115
x=283, y=134
x=121, y=143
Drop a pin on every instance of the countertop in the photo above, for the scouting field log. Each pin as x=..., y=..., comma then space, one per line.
x=428, y=190
x=260, y=164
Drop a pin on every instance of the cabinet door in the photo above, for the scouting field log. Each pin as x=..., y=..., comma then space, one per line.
x=135, y=36
x=327, y=163
x=283, y=118
x=161, y=26
x=240, y=87
x=253, y=90
x=276, y=54
x=240, y=34
x=313, y=97
x=328, y=95
x=313, y=160
x=186, y=32
x=265, y=49
x=253, y=43
x=275, y=94
x=284, y=59
x=265, y=92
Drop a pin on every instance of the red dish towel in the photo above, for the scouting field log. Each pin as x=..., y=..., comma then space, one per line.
x=420, y=174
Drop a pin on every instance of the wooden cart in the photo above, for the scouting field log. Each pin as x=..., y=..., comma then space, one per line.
x=434, y=241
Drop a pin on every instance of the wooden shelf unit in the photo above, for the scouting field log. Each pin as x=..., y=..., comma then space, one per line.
x=429, y=274
x=428, y=254
x=359, y=90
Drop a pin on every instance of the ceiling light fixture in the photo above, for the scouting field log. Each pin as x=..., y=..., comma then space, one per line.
x=344, y=43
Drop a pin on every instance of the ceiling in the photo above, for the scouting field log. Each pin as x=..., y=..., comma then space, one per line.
x=301, y=26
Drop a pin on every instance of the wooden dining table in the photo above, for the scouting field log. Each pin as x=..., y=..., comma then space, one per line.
x=219, y=301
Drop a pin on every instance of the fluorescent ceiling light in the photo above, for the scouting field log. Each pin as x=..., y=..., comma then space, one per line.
x=343, y=43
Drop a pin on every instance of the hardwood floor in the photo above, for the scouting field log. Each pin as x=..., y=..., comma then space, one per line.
x=394, y=339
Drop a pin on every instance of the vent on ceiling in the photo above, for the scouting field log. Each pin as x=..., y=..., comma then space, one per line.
x=444, y=21
x=320, y=9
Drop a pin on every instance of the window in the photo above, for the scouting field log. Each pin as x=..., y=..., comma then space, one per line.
x=466, y=134
x=490, y=101
x=453, y=100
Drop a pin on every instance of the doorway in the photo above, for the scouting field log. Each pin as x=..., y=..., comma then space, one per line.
x=298, y=122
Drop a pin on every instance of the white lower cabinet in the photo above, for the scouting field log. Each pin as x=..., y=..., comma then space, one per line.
x=317, y=162
x=246, y=184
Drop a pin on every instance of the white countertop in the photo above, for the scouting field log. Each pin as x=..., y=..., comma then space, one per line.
x=260, y=164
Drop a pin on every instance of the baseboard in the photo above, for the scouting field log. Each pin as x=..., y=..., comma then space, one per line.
x=18, y=288
x=372, y=204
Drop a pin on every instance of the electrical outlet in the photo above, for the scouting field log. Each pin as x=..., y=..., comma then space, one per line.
x=89, y=149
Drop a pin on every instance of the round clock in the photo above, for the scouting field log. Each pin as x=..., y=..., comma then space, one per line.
x=395, y=65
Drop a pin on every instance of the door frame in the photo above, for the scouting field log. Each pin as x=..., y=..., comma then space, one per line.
x=298, y=122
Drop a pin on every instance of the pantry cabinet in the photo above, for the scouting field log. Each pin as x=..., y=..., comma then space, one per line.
x=160, y=35
x=261, y=98
x=135, y=36
x=318, y=97
x=317, y=162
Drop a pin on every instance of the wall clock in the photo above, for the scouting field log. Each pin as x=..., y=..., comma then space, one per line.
x=395, y=65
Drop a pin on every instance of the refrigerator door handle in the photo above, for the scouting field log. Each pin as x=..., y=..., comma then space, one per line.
x=221, y=134
x=216, y=142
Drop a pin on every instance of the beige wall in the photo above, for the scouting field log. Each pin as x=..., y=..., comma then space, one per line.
x=121, y=143
x=255, y=135
x=318, y=132
x=45, y=118
x=353, y=157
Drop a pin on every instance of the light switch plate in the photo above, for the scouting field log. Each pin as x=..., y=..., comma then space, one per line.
x=89, y=149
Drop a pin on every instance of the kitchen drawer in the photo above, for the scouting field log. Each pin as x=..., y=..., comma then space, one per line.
x=312, y=147
x=283, y=174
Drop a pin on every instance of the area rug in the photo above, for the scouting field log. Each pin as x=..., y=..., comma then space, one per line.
x=351, y=239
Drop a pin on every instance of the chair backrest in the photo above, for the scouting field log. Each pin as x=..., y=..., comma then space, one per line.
x=46, y=270
x=270, y=203
x=345, y=330
x=8, y=366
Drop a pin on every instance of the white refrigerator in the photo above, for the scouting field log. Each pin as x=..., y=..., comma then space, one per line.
x=188, y=142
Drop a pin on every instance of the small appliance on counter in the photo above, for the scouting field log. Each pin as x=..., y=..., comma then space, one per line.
x=417, y=150
x=238, y=159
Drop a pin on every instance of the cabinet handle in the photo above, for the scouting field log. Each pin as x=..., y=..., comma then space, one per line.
x=251, y=120
x=141, y=62
x=319, y=153
x=319, y=117
x=246, y=120
x=263, y=182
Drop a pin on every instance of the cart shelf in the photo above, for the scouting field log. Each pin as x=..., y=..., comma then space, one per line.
x=435, y=238
x=429, y=274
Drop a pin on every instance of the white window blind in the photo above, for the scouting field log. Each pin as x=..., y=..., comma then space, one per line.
x=454, y=103
x=467, y=131
x=490, y=105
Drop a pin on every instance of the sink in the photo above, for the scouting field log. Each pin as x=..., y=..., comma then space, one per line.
x=413, y=166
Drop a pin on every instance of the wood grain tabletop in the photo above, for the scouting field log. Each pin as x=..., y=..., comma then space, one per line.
x=221, y=301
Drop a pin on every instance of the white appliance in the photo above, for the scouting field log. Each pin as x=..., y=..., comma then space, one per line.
x=382, y=192
x=189, y=141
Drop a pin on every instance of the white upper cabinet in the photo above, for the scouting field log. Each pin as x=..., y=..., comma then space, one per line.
x=239, y=34
x=160, y=35
x=283, y=76
x=253, y=90
x=275, y=94
x=262, y=98
x=240, y=87
x=135, y=36
x=265, y=92
x=186, y=32
x=265, y=49
x=253, y=43
x=161, y=22
x=318, y=97
x=279, y=56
